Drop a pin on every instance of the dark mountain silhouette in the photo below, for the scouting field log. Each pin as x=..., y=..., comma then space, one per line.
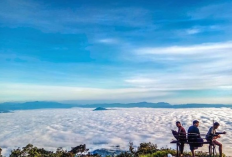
x=4, y=111
x=100, y=109
x=129, y=105
x=32, y=105
x=8, y=106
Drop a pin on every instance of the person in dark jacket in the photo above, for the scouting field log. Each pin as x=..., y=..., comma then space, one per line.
x=193, y=136
x=182, y=137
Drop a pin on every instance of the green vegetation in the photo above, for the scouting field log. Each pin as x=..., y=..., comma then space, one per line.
x=151, y=150
x=31, y=151
x=144, y=150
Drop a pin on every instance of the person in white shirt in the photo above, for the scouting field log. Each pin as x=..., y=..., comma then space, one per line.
x=212, y=135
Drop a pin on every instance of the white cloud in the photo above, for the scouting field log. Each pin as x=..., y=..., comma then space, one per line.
x=187, y=81
x=141, y=80
x=30, y=92
x=108, y=41
x=198, y=29
x=193, y=31
x=203, y=66
x=201, y=49
x=226, y=87
x=70, y=127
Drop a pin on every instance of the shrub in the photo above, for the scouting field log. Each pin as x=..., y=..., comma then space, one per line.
x=31, y=151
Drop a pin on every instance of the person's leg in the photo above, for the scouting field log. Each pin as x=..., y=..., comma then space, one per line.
x=181, y=148
x=192, y=149
x=219, y=145
x=210, y=146
x=193, y=154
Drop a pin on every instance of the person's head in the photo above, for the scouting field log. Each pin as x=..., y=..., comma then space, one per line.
x=216, y=125
x=178, y=124
x=196, y=123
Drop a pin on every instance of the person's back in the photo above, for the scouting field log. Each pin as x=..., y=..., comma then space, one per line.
x=182, y=133
x=193, y=136
x=210, y=134
x=193, y=133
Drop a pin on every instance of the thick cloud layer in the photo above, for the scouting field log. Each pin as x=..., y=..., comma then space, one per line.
x=103, y=129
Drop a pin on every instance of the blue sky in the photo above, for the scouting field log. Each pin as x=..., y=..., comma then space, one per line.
x=91, y=51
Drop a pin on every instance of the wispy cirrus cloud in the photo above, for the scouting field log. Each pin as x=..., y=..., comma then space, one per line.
x=193, y=31
x=212, y=11
x=108, y=41
x=141, y=80
x=206, y=48
x=40, y=15
x=196, y=67
x=30, y=92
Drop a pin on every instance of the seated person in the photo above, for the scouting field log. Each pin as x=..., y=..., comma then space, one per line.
x=212, y=135
x=194, y=136
x=181, y=136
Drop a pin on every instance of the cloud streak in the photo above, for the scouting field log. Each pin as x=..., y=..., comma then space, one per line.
x=29, y=92
x=201, y=49
x=108, y=41
x=192, y=31
x=40, y=15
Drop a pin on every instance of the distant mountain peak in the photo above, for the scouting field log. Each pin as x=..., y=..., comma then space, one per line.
x=99, y=109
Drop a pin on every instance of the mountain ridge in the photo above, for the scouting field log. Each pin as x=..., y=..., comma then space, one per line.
x=50, y=105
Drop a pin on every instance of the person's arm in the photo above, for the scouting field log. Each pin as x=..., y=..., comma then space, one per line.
x=220, y=132
x=189, y=136
x=211, y=131
x=198, y=132
x=189, y=130
x=183, y=131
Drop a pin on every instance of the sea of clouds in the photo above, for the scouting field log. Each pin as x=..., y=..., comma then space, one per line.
x=53, y=128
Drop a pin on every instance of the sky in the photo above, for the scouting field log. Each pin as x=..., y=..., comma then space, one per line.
x=90, y=51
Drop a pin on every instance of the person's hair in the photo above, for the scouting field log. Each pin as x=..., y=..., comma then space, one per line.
x=195, y=122
x=177, y=122
x=216, y=124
